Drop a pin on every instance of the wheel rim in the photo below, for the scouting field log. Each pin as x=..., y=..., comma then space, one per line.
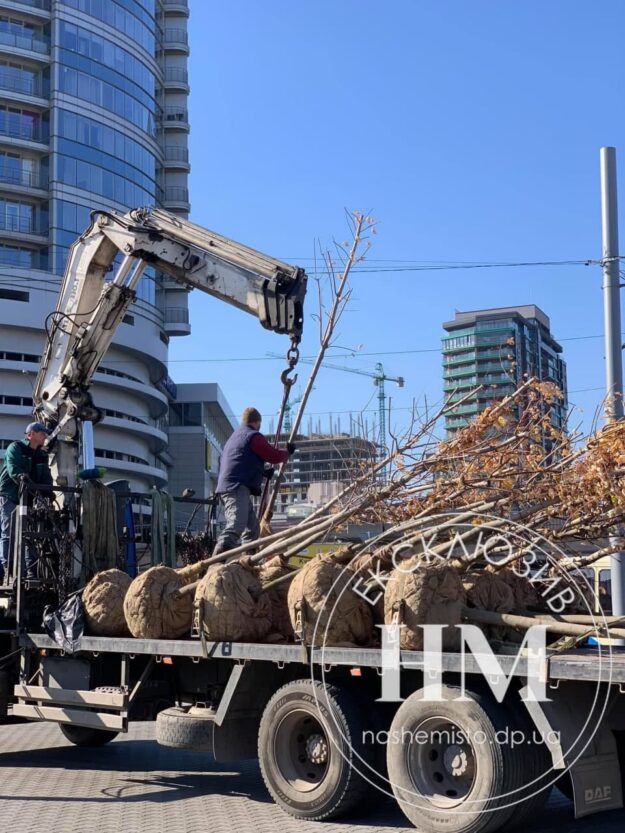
x=441, y=762
x=301, y=750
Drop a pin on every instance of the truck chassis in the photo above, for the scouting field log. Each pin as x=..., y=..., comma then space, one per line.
x=315, y=720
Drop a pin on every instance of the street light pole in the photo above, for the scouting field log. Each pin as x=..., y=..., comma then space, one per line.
x=612, y=324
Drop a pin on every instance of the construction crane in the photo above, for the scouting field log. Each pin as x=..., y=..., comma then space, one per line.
x=290, y=406
x=379, y=378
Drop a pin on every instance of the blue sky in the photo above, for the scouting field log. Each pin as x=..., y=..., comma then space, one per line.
x=469, y=129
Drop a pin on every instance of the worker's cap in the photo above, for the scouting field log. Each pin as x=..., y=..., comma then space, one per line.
x=251, y=415
x=37, y=426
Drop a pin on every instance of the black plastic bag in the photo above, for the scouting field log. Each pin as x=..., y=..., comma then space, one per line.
x=66, y=624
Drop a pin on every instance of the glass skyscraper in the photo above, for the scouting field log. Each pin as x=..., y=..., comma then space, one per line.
x=93, y=115
x=495, y=350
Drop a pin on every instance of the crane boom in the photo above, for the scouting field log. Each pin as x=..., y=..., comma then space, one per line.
x=90, y=308
x=378, y=374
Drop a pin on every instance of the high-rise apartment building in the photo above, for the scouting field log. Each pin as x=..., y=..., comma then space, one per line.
x=93, y=115
x=497, y=349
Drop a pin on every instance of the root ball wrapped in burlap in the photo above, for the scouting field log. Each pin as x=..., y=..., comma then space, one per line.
x=322, y=595
x=152, y=607
x=489, y=591
x=372, y=571
x=271, y=570
x=525, y=594
x=103, y=603
x=424, y=594
x=231, y=606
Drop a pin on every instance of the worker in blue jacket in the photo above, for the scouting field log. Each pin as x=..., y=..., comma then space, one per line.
x=24, y=460
x=241, y=472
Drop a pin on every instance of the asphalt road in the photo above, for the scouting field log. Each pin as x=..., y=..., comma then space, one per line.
x=133, y=785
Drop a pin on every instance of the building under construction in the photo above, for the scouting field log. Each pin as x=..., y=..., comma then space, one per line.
x=321, y=466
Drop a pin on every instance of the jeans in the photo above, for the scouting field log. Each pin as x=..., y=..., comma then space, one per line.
x=7, y=507
x=241, y=521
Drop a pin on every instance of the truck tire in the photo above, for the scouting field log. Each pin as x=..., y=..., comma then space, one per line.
x=85, y=736
x=536, y=760
x=442, y=779
x=308, y=739
x=184, y=728
x=620, y=748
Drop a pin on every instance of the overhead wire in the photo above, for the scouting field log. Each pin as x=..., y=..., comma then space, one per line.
x=350, y=355
x=411, y=266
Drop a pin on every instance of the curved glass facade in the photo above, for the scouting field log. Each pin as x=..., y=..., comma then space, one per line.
x=112, y=159
x=133, y=19
x=84, y=126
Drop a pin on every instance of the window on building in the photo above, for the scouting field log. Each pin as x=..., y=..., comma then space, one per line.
x=186, y=414
x=605, y=590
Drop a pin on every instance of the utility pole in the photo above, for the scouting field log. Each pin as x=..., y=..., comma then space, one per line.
x=612, y=324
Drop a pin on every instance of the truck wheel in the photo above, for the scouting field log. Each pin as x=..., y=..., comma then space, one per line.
x=309, y=735
x=447, y=765
x=536, y=762
x=620, y=748
x=85, y=736
x=185, y=728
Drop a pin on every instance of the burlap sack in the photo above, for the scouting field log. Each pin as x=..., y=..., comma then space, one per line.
x=489, y=591
x=231, y=606
x=371, y=571
x=322, y=594
x=424, y=594
x=152, y=608
x=525, y=594
x=281, y=630
x=103, y=603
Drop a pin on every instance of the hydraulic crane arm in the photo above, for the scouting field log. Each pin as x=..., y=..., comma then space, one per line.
x=90, y=308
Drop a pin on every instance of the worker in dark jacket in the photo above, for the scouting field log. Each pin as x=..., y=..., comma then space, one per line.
x=241, y=472
x=27, y=460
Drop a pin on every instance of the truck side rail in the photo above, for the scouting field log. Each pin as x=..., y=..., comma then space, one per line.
x=573, y=665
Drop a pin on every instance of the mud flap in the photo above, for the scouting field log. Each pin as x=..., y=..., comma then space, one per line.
x=584, y=744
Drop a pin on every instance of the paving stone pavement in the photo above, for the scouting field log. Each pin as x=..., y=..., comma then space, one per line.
x=133, y=785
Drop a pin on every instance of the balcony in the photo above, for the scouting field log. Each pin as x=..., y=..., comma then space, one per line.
x=177, y=7
x=175, y=118
x=177, y=198
x=20, y=83
x=26, y=131
x=456, y=371
x=176, y=321
x=42, y=5
x=456, y=424
x=502, y=366
x=496, y=379
x=23, y=228
x=176, y=40
x=176, y=78
x=26, y=42
x=177, y=157
x=23, y=179
x=470, y=409
x=460, y=384
x=500, y=355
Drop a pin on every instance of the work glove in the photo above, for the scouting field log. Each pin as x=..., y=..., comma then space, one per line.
x=24, y=482
x=269, y=472
x=290, y=447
